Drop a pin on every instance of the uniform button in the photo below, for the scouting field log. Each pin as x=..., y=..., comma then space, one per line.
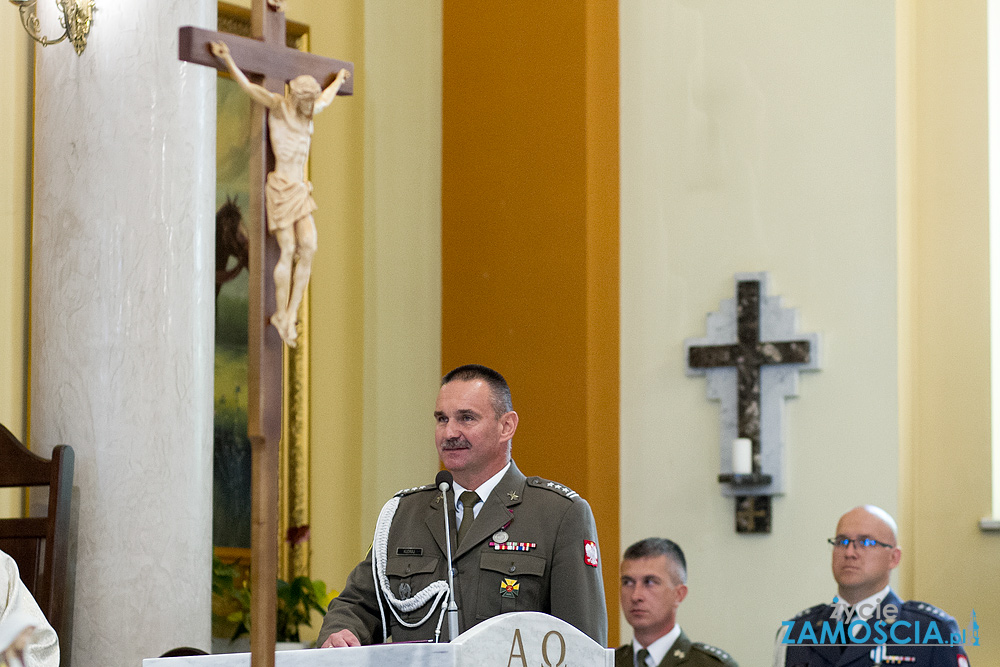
x=407, y=569
x=512, y=567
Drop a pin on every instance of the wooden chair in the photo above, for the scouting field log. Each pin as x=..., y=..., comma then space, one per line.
x=41, y=545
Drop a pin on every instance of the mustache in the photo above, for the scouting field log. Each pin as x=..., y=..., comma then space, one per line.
x=455, y=443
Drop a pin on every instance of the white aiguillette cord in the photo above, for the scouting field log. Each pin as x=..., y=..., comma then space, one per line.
x=380, y=548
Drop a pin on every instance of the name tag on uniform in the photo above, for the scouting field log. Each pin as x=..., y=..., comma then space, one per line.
x=409, y=551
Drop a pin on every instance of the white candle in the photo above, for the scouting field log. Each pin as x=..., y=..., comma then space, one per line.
x=742, y=456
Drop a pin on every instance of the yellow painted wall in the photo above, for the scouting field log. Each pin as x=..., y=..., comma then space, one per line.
x=335, y=297
x=16, y=54
x=945, y=421
x=375, y=291
x=529, y=231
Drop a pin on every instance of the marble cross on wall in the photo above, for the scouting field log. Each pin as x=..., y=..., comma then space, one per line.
x=751, y=357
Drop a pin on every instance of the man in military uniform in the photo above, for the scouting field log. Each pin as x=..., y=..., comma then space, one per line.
x=868, y=624
x=653, y=585
x=521, y=544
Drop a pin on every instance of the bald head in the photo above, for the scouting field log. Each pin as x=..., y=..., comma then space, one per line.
x=862, y=571
x=876, y=514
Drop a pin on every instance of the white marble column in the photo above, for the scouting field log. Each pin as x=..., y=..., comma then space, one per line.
x=122, y=319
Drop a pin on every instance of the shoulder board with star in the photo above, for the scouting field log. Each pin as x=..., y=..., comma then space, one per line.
x=716, y=653
x=555, y=487
x=415, y=489
x=927, y=610
x=809, y=612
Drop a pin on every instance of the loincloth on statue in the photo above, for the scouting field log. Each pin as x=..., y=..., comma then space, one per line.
x=288, y=201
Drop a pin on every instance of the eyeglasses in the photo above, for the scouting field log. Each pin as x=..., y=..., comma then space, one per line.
x=862, y=543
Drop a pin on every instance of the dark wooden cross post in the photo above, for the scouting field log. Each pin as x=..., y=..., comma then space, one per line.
x=748, y=354
x=267, y=61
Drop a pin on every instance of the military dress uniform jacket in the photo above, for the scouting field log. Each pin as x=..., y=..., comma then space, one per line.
x=683, y=653
x=557, y=572
x=876, y=650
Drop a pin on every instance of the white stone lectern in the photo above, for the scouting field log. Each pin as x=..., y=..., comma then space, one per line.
x=520, y=639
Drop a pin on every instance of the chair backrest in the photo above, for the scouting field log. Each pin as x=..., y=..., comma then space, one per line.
x=41, y=545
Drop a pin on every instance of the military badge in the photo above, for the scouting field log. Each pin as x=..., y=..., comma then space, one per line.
x=500, y=536
x=590, y=553
x=512, y=546
x=404, y=591
x=509, y=588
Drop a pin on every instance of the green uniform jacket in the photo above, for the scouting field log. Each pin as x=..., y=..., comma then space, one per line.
x=683, y=652
x=559, y=574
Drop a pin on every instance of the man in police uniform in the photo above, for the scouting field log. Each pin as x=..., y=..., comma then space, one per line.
x=877, y=627
x=523, y=544
x=653, y=585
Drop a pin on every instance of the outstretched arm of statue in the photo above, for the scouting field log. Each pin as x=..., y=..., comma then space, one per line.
x=260, y=94
x=330, y=92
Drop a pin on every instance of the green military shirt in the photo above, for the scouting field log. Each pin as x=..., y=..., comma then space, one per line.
x=533, y=547
x=683, y=653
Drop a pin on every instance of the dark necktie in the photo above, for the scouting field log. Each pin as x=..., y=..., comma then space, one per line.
x=640, y=657
x=468, y=500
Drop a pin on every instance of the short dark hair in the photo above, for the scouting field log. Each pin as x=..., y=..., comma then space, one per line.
x=499, y=391
x=659, y=546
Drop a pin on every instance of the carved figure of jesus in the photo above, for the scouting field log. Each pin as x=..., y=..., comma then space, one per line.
x=288, y=194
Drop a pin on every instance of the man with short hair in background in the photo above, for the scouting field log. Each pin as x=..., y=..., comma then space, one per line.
x=653, y=585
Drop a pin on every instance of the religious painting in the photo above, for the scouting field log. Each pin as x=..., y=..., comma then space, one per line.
x=231, y=519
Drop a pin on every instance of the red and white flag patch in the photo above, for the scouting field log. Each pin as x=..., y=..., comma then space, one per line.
x=590, y=553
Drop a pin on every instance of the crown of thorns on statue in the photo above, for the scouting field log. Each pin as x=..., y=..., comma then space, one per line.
x=305, y=86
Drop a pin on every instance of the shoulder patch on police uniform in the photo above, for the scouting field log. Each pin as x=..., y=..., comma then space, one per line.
x=555, y=487
x=808, y=612
x=716, y=653
x=927, y=609
x=406, y=492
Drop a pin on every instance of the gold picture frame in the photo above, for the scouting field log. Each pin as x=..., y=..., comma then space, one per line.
x=293, y=480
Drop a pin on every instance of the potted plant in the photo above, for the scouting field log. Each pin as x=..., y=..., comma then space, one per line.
x=231, y=603
x=297, y=600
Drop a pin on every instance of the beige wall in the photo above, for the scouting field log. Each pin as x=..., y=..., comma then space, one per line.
x=945, y=414
x=803, y=140
x=16, y=54
x=757, y=137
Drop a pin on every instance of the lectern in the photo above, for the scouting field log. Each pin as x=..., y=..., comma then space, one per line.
x=518, y=639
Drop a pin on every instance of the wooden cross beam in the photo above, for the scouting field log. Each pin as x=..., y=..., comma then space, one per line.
x=266, y=61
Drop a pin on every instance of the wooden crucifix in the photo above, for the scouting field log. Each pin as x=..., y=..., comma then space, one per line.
x=270, y=64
